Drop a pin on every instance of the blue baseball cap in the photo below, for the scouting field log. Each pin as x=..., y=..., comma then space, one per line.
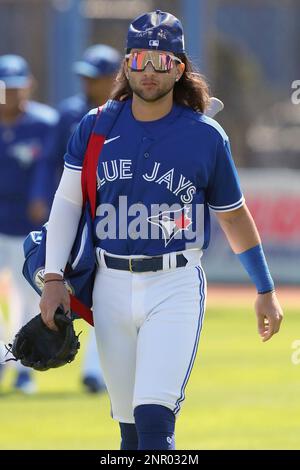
x=98, y=60
x=157, y=30
x=14, y=71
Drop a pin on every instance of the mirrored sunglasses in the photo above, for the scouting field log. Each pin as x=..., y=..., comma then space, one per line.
x=161, y=61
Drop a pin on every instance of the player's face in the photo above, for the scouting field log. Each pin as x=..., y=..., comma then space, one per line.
x=149, y=84
x=98, y=90
x=14, y=97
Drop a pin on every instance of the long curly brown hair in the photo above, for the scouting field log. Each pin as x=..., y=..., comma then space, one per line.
x=191, y=90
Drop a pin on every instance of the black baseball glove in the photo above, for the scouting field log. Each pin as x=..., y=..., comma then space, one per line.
x=36, y=346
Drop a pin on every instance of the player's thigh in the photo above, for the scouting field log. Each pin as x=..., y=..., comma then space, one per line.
x=15, y=255
x=4, y=253
x=23, y=301
x=116, y=339
x=168, y=342
x=21, y=291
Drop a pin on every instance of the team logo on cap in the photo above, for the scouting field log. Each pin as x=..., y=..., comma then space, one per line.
x=142, y=34
x=162, y=34
x=172, y=222
x=154, y=42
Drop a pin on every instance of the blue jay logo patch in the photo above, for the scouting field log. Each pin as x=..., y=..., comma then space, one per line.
x=172, y=222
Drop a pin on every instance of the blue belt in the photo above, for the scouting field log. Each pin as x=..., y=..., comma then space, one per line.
x=141, y=265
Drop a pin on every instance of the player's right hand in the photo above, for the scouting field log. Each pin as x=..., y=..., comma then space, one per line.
x=54, y=295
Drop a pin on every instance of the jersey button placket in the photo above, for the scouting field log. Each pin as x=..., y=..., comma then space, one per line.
x=142, y=157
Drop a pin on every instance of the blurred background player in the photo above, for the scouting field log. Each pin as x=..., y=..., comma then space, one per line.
x=97, y=71
x=27, y=133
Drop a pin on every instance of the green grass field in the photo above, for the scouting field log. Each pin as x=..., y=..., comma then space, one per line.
x=242, y=394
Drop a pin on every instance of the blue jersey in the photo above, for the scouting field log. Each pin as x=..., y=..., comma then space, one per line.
x=26, y=166
x=157, y=181
x=71, y=111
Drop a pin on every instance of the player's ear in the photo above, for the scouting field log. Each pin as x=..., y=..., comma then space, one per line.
x=126, y=69
x=180, y=71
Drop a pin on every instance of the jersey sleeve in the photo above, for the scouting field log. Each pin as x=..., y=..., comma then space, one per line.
x=78, y=142
x=224, y=192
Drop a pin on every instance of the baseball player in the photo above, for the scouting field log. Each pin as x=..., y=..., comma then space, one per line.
x=97, y=71
x=27, y=131
x=163, y=167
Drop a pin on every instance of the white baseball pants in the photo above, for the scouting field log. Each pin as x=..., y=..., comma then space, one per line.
x=23, y=300
x=148, y=327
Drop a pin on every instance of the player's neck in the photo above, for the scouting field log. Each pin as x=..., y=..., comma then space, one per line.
x=151, y=111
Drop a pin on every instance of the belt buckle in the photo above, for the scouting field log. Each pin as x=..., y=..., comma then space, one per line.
x=130, y=265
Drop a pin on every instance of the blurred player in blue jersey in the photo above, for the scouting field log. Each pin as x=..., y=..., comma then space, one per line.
x=27, y=133
x=97, y=71
x=164, y=166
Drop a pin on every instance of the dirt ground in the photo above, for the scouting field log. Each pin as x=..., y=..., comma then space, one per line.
x=236, y=294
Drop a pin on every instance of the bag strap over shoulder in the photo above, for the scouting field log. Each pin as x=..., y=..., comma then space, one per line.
x=106, y=117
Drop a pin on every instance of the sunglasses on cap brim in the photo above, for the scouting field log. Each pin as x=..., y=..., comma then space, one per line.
x=160, y=61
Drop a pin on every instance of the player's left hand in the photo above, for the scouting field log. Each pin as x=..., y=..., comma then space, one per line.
x=269, y=315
